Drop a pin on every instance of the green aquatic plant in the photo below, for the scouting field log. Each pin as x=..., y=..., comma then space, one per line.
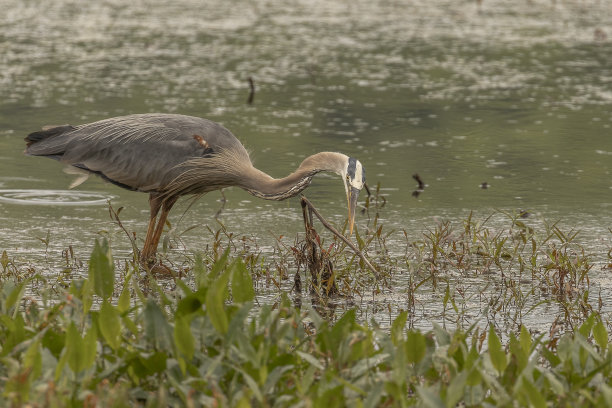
x=102, y=342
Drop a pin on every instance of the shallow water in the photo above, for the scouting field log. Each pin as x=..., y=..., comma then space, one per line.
x=514, y=96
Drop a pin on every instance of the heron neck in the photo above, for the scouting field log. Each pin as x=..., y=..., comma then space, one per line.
x=264, y=186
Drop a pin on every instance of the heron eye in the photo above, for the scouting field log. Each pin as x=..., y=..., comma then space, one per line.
x=347, y=177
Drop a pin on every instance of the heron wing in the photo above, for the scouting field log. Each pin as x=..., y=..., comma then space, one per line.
x=139, y=152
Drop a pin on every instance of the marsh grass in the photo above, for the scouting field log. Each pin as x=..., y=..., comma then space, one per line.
x=450, y=321
x=508, y=273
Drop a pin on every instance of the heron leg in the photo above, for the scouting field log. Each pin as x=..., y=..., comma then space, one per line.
x=166, y=205
x=148, y=250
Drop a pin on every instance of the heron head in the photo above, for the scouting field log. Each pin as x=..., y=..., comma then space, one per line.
x=353, y=175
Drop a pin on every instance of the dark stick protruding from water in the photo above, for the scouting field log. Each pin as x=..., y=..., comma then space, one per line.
x=421, y=186
x=252, y=90
x=418, y=180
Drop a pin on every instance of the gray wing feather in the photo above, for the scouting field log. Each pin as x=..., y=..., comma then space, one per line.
x=140, y=152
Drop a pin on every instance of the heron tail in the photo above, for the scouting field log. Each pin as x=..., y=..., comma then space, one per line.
x=47, y=132
x=47, y=143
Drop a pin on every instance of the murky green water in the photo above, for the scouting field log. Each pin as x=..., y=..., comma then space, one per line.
x=517, y=95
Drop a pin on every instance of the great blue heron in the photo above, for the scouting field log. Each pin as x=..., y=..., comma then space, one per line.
x=168, y=155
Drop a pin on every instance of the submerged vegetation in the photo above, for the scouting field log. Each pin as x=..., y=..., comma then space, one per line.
x=118, y=335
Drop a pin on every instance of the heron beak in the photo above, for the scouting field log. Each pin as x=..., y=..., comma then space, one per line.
x=352, y=195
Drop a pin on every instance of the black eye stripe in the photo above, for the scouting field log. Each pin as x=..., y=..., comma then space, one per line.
x=352, y=165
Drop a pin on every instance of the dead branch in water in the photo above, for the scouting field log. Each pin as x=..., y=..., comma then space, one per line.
x=313, y=210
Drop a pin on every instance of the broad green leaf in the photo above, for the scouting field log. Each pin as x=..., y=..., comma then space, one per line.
x=130, y=325
x=59, y=368
x=275, y=376
x=373, y=398
x=332, y=397
x=473, y=356
x=157, y=329
x=83, y=289
x=242, y=283
x=430, y=397
x=307, y=378
x=110, y=324
x=415, y=346
x=525, y=340
x=215, y=303
x=366, y=364
x=554, y=383
x=517, y=352
x=183, y=338
x=585, y=328
x=605, y=399
x=199, y=272
x=496, y=352
x=123, y=304
x=312, y=360
x=33, y=360
x=219, y=265
x=74, y=348
x=102, y=269
x=535, y=397
x=397, y=390
x=446, y=295
x=474, y=378
x=155, y=362
x=600, y=334
x=245, y=348
x=456, y=389
x=14, y=296
x=89, y=347
x=397, y=328
x=474, y=396
x=338, y=333
x=54, y=341
x=80, y=352
x=87, y=291
x=565, y=347
x=552, y=358
x=16, y=332
x=252, y=384
x=188, y=305
x=184, y=287
x=442, y=336
x=243, y=402
x=237, y=323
